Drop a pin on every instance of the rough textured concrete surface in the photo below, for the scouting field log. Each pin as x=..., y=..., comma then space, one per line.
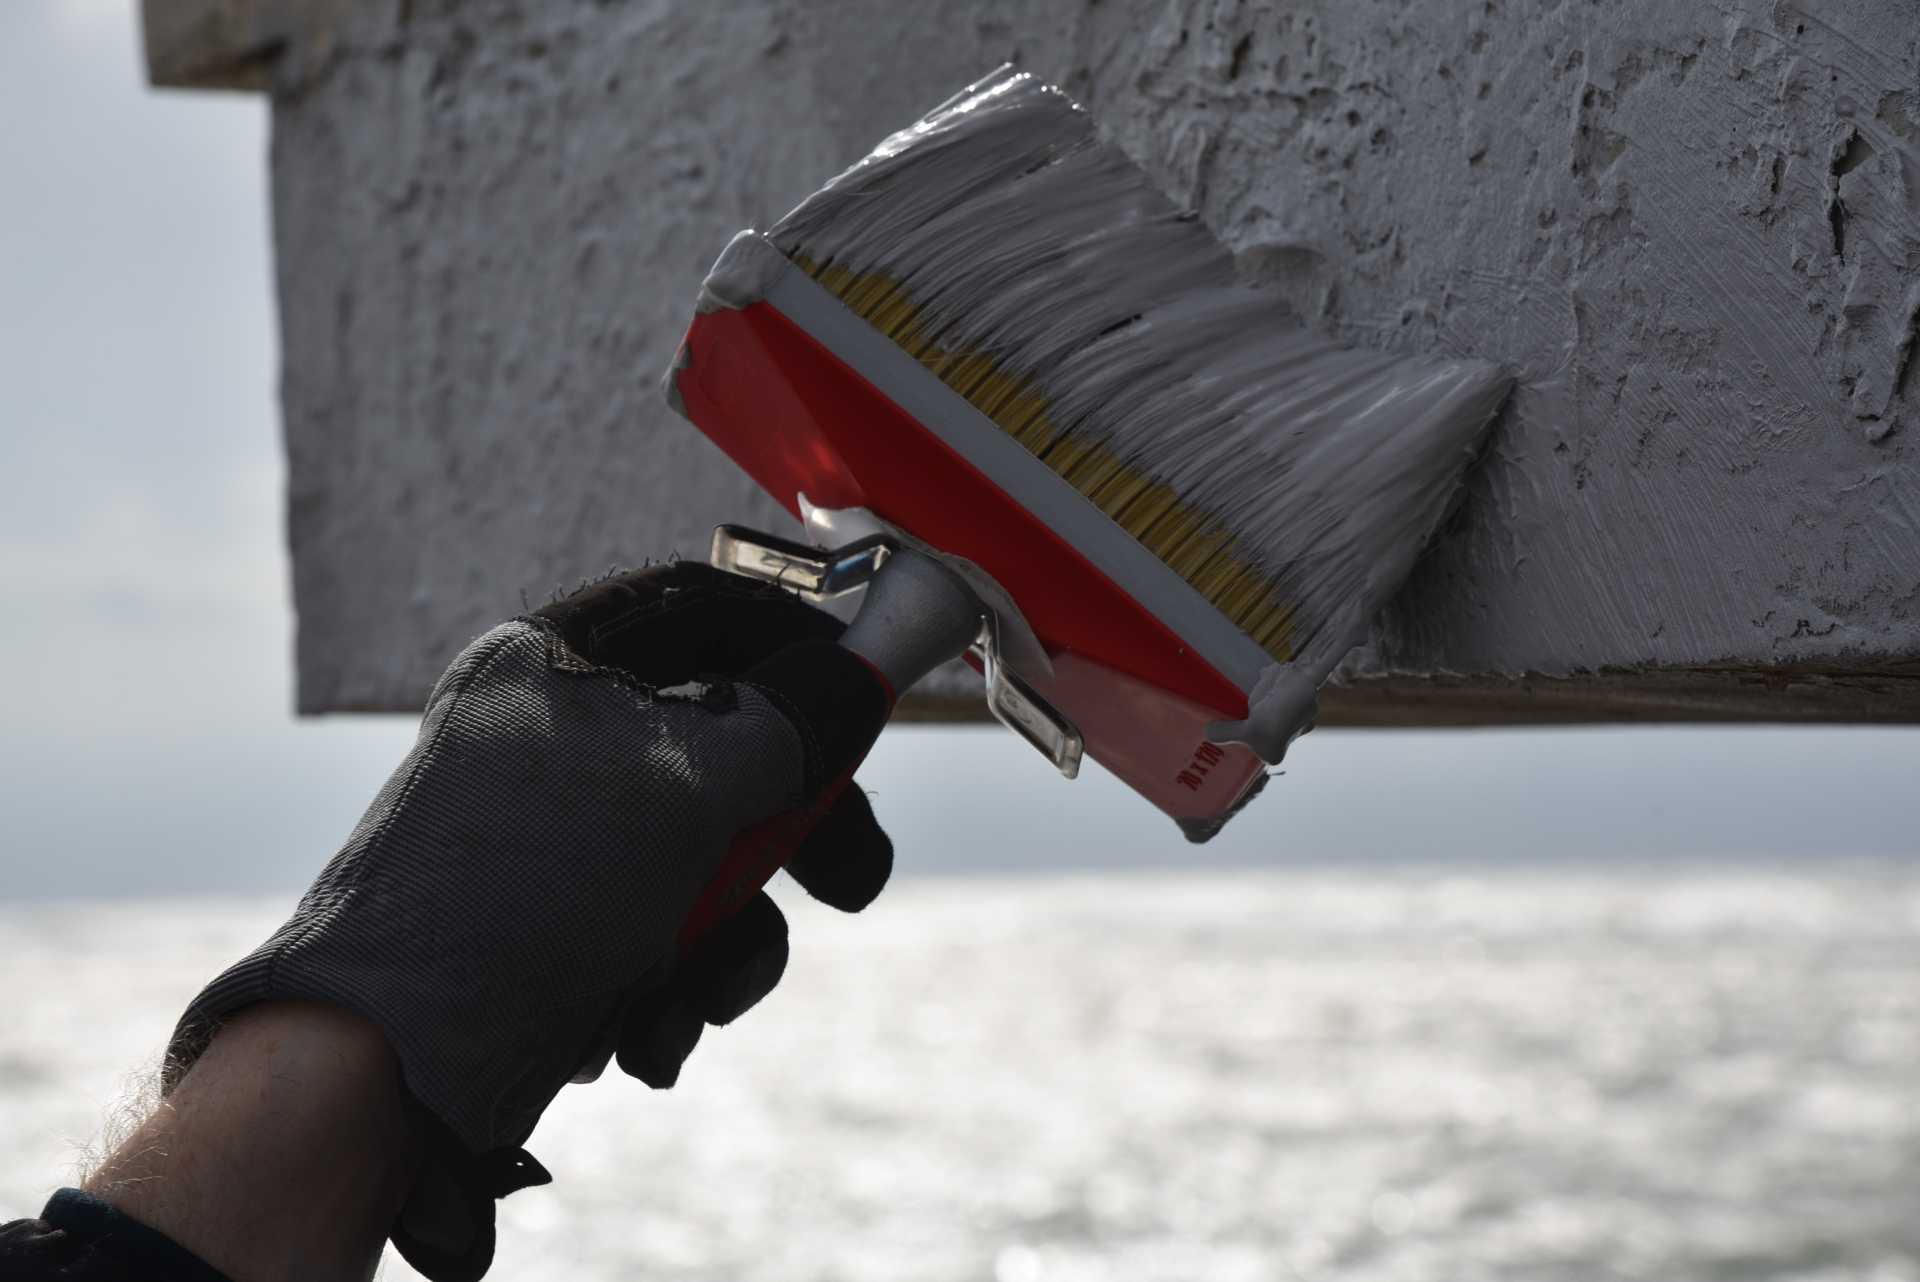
x=1691, y=229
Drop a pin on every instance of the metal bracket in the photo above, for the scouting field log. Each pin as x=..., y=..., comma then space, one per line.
x=815, y=574
x=1020, y=707
x=821, y=575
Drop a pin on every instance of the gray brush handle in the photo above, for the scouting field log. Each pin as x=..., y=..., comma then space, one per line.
x=916, y=615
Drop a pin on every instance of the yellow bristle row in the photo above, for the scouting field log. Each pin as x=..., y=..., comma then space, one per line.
x=1194, y=544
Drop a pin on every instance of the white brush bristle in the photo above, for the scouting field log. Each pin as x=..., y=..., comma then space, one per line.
x=1034, y=267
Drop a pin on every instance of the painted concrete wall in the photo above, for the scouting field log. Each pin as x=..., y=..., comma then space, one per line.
x=1691, y=228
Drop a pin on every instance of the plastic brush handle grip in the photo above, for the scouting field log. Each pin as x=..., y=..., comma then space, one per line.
x=916, y=615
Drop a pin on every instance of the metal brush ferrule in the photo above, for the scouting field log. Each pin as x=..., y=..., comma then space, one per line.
x=917, y=615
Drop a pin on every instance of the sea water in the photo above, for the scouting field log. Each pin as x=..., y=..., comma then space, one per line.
x=1643, y=1072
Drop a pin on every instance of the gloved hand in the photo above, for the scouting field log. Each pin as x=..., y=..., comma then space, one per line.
x=513, y=905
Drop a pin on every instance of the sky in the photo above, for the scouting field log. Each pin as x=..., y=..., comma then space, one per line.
x=146, y=740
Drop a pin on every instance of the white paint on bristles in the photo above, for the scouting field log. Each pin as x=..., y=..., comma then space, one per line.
x=1018, y=232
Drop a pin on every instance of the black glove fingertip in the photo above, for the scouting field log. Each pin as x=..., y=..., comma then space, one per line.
x=738, y=962
x=657, y=1039
x=739, y=989
x=846, y=860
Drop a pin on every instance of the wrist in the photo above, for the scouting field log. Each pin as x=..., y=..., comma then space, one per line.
x=285, y=1152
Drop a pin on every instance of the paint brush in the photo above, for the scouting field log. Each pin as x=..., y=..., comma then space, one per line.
x=994, y=346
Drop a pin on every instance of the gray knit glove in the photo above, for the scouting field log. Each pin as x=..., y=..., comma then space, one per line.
x=567, y=865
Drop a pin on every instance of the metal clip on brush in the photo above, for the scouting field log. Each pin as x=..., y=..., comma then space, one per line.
x=917, y=615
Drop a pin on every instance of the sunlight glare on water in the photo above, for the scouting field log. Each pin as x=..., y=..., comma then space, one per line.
x=1435, y=1075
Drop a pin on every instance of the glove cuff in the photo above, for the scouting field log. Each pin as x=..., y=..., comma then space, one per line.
x=446, y=1229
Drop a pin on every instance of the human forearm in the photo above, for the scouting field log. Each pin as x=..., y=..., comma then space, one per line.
x=285, y=1153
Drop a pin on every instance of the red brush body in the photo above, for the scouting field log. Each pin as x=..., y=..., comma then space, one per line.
x=799, y=420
